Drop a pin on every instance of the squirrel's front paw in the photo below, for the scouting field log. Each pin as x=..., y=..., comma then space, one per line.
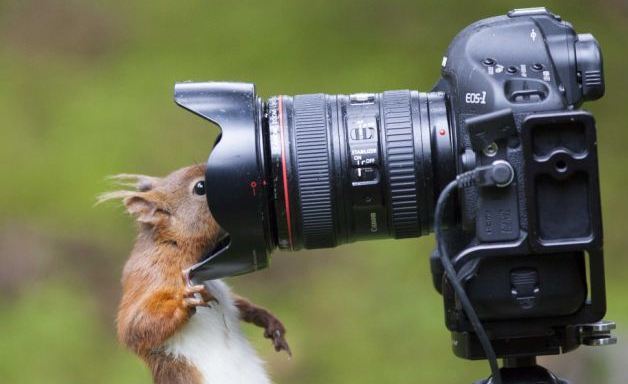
x=275, y=331
x=197, y=296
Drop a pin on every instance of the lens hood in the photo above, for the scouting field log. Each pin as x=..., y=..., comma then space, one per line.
x=235, y=179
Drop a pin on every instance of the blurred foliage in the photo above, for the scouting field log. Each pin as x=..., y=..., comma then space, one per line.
x=86, y=91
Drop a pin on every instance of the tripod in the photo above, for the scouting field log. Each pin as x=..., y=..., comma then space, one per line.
x=524, y=370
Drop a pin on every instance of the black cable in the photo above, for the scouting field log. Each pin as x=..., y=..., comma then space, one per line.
x=463, y=180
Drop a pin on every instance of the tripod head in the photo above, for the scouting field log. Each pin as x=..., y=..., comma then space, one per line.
x=524, y=370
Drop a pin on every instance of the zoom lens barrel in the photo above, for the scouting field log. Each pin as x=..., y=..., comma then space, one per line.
x=364, y=166
x=317, y=171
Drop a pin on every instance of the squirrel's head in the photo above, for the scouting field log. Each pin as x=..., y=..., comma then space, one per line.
x=173, y=209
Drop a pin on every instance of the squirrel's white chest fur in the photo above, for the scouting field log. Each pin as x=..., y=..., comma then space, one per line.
x=213, y=342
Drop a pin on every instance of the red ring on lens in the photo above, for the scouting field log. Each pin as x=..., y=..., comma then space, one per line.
x=284, y=172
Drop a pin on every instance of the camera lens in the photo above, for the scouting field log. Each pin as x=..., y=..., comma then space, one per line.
x=347, y=168
x=317, y=171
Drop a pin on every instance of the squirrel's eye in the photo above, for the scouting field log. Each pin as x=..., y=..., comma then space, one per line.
x=199, y=188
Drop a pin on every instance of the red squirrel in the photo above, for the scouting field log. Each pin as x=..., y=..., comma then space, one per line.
x=185, y=333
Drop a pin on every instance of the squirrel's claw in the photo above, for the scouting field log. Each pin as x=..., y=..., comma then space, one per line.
x=191, y=303
x=277, y=333
x=280, y=343
x=198, y=295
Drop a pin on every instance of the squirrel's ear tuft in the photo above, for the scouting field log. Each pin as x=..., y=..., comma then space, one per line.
x=146, y=209
x=142, y=183
x=114, y=195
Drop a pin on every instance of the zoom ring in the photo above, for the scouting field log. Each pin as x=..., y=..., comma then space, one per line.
x=313, y=170
x=400, y=163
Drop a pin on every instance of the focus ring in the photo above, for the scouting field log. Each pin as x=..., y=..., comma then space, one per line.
x=314, y=170
x=400, y=163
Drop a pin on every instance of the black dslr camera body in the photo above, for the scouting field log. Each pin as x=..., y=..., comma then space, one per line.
x=316, y=171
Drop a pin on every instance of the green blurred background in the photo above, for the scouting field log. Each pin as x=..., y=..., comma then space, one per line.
x=86, y=91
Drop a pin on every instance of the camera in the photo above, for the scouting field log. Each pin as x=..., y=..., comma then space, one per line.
x=523, y=228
